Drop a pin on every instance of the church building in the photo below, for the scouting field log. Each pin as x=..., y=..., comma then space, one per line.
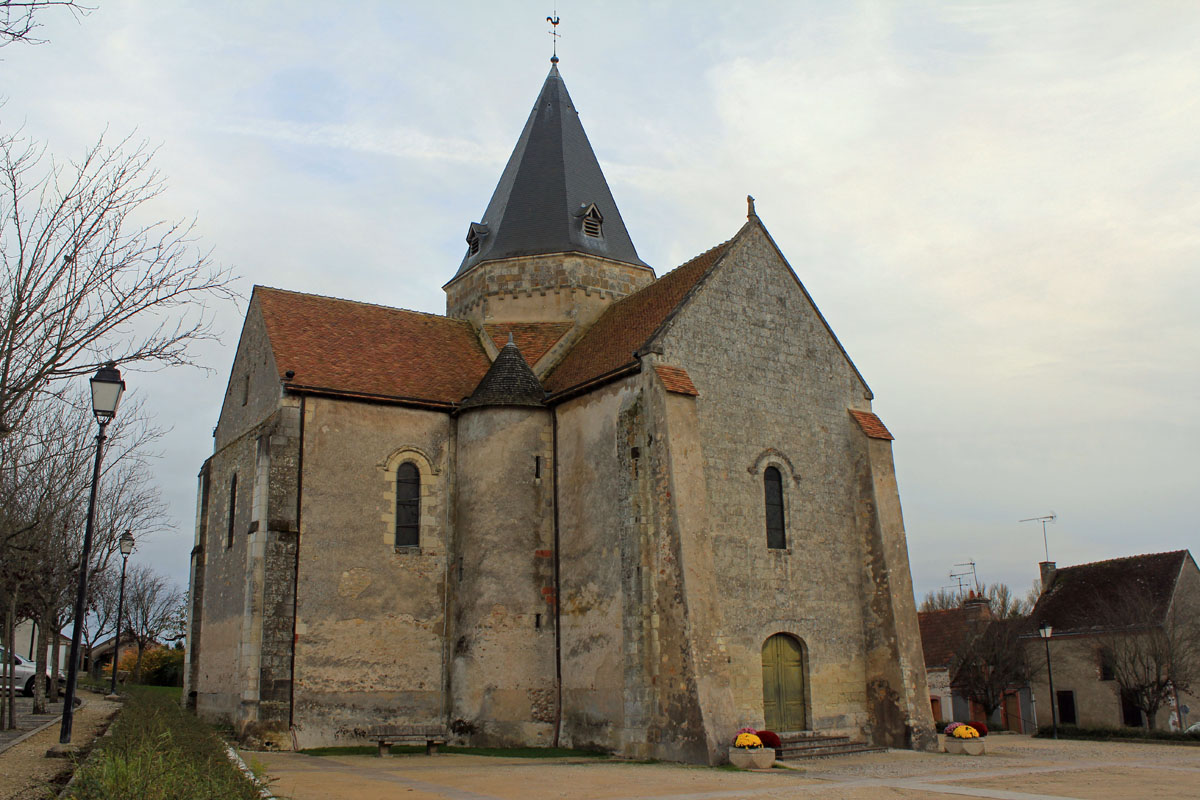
x=589, y=507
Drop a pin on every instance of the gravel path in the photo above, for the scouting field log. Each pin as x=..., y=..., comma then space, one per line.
x=25, y=771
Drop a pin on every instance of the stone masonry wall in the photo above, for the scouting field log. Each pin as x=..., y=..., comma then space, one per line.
x=502, y=682
x=370, y=620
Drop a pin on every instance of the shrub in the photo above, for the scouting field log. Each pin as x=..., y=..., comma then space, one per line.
x=770, y=739
x=980, y=728
x=1075, y=732
x=162, y=667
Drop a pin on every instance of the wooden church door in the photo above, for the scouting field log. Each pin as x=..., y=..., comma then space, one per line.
x=783, y=671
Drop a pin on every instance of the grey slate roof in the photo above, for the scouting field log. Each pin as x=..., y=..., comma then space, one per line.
x=509, y=382
x=551, y=177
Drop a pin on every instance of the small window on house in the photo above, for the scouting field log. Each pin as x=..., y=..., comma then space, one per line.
x=593, y=222
x=1106, y=664
x=475, y=234
x=232, y=509
x=408, y=505
x=473, y=243
x=773, y=488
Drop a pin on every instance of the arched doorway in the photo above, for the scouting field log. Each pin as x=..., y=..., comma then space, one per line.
x=785, y=675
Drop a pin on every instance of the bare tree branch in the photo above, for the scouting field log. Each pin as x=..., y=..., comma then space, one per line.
x=18, y=18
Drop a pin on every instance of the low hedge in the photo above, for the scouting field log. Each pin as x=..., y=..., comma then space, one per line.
x=1076, y=732
x=157, y=751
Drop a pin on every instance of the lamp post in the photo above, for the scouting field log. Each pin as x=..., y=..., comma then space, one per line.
x=126, y=545
x=107, y=388
x=1044, y=631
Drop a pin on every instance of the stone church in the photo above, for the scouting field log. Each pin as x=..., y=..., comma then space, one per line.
x=589, y=506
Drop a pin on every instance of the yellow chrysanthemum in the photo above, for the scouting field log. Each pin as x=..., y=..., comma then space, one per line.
x=965, y=732
x=747, y=740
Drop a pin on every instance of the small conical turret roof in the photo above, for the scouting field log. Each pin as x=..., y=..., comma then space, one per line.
x=551, y=183
x=509, y=382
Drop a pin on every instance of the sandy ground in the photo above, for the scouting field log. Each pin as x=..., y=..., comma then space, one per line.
x=1015, y=768
x=26, y=773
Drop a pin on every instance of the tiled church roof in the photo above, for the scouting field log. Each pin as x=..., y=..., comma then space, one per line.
x=629, y=324
x=359, y=349
x=534, y=339
x=871, y=425
x=509, y=382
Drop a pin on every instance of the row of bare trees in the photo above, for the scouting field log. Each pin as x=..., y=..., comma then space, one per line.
x=85, y=279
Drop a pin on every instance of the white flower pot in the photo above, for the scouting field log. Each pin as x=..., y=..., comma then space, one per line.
x=758, y=758
x=973, y=747
x=954, y=746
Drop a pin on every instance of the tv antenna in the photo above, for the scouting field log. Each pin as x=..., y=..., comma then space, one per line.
x=1048, y=518
x=958, y=576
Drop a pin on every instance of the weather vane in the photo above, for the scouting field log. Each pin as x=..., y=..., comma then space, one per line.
x=554, y=32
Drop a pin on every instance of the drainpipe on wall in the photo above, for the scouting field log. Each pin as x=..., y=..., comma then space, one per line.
x=296, y=579
x=558, y=715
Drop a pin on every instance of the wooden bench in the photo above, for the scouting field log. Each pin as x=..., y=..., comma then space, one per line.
x=387, y=735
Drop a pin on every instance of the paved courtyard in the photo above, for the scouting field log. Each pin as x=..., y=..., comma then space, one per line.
x=1015, y=768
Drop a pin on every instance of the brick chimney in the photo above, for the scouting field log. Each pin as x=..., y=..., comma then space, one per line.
x=977, y=606
x=1048, y=570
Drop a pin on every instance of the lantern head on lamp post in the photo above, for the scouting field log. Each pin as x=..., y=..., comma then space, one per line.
x=107, y=388
x=1045, y=630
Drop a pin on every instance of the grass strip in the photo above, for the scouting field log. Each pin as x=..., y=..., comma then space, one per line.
x=1120, y=735
x=157, y=751
x=495, y=752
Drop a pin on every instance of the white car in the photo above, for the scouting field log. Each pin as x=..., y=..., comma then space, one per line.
x=23, y=673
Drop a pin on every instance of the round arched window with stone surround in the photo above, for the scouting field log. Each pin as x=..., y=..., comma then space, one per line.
x=408, y=505
x=411, y=502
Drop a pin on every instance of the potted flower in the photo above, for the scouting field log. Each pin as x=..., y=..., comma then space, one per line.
x=964, y=739
x=748, y=751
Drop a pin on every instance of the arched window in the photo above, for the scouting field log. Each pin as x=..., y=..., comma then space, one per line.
x=773, y=488
x=232, y=509
x=408, y=505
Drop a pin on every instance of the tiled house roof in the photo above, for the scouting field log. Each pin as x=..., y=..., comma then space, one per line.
x=871, y=425
x=358, y=349
x=943, y=632
x=534, y=339
x=628, y=324
x=1102, y=595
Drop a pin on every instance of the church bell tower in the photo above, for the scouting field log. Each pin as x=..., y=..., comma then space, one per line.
x=551, y=247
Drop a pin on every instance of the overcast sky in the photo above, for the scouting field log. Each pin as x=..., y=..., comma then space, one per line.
x=994, y=205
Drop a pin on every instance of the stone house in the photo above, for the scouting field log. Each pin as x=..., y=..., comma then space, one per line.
x=943, y=634
x=1090, y=605
x=587, y=507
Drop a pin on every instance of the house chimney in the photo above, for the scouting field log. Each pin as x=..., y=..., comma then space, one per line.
x=977, y=606
x=1048, y=570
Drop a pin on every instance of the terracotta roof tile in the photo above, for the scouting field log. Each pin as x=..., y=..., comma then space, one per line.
x=871, y=425
x=534, y=339
x=1093, y=597
x=676, y=380
x=628, y=324
x=944, y=632
x=355, y=348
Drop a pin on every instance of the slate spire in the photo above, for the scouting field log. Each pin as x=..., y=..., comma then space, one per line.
x=552, y=196
x=509, y=382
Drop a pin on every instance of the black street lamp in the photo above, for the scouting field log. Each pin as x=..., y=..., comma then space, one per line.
x=107, y=388
x=126, y=545
x=1044, y=631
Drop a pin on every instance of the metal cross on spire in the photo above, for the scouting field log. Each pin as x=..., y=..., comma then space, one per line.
x=554, y=32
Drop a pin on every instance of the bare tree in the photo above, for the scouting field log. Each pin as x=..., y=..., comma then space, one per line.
x=100, y=620
x=83, y=281
x=991, y=663
x=18, y=18
x=1003, y=603
x=1153, y=654
x=153, y=609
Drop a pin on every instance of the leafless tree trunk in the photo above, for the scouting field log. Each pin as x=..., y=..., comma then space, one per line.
x=18, y=18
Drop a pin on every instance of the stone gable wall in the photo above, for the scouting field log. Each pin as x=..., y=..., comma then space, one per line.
x=253, y=391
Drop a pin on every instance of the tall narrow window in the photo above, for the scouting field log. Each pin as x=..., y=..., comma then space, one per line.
x=408, y=505
x=773, y=486
x=232, y=509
